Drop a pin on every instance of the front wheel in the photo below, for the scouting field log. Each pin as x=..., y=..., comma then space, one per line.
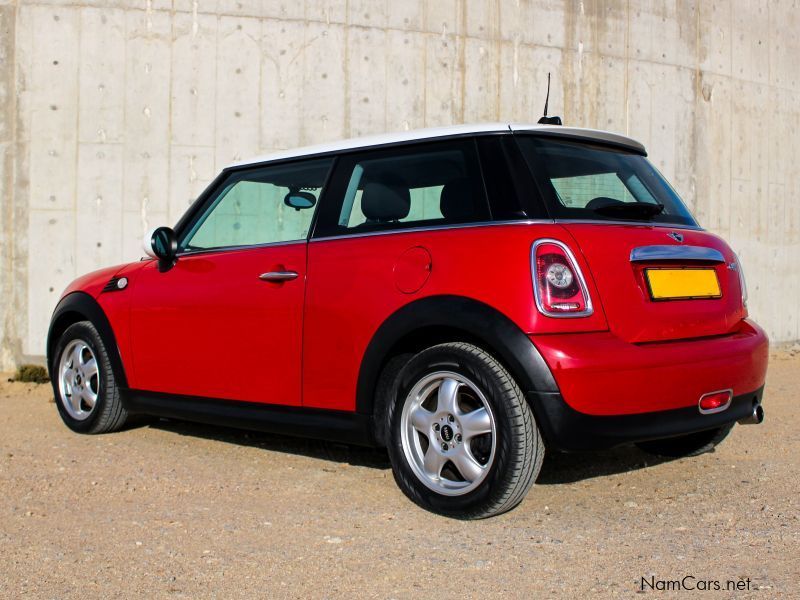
x=86, y=392
x=463, y=441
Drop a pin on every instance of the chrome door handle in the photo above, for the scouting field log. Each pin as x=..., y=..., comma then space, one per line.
x=278, y=276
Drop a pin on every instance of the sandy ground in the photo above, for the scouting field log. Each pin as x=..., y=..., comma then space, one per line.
x=181, y=510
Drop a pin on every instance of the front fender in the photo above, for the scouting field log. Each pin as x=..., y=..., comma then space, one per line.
x=80, y=306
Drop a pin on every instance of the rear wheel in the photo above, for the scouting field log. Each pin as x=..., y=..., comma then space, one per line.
x=86, y=392
x=462, y=439
x=693, y=444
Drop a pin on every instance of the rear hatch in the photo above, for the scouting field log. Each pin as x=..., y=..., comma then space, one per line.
x=655, y=288
x=659, y=276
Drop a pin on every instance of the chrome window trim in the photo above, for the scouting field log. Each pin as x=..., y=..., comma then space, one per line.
x=500, y=223
x=239, y=248
x=578, y=272
x=633, y=223
x=433, y=228
x=711, y=411
x=682, y=253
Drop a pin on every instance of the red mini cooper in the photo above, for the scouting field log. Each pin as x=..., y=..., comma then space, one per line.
x=465, y=297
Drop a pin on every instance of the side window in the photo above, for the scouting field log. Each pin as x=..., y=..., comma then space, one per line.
x=435, y=183
x=259, y=206
x=424, y=205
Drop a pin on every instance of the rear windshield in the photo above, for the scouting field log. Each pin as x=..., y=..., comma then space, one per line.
x=583, y=181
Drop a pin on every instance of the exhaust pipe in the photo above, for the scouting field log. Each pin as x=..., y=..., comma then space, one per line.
x=756, y=417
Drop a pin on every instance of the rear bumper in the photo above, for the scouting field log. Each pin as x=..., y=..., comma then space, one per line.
x=612, y=392
x=567, y=429
x=600, y=374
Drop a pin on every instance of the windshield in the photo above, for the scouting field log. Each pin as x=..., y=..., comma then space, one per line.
x=585, y=181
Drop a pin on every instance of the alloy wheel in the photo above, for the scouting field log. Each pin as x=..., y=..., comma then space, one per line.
x=78, y=380
x=448, y=433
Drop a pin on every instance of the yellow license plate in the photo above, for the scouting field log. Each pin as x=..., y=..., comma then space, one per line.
x=682, y=284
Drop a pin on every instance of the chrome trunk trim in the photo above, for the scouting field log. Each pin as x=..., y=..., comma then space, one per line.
x=679, y=253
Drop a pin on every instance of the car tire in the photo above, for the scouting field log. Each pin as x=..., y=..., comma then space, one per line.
x=85, y=389
x=457, y=398
x=693, y=444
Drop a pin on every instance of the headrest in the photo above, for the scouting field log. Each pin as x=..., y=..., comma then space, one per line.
x=384, y=201
x=457, y=202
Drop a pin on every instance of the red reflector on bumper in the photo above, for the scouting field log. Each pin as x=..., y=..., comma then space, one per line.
x=715, y=402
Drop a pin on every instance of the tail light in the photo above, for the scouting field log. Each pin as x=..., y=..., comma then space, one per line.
x=558, y=284
x=742, y=282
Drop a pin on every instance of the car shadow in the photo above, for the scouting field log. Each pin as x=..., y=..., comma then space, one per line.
x=570, y=467
x=558, y=467
x=335, y=452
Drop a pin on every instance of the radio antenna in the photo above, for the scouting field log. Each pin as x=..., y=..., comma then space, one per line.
x=545, y=120
x=547, y=98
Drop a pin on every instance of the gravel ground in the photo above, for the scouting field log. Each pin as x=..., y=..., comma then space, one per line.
x=182, y=510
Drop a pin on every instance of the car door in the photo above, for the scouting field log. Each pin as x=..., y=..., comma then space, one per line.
x=226, y=320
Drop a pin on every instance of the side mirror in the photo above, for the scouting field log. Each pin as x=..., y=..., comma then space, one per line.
x=161, y=243
x=299, y=200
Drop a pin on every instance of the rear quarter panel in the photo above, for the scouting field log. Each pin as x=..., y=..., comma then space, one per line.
x=356, y=283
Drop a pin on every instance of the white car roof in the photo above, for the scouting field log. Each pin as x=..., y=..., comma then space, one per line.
x=450, y=131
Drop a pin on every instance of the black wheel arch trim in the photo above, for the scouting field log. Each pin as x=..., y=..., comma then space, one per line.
x=80, y=306
x=497, y=333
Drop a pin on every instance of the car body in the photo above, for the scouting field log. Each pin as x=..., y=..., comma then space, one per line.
x=542, y=248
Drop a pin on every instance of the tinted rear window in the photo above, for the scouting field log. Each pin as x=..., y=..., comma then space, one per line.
x=583, y=181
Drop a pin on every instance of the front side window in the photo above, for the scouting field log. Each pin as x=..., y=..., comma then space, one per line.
x=593, y=182
x=263, y=205
x=433, y=184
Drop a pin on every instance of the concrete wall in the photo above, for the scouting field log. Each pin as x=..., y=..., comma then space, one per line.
x=114, y=115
